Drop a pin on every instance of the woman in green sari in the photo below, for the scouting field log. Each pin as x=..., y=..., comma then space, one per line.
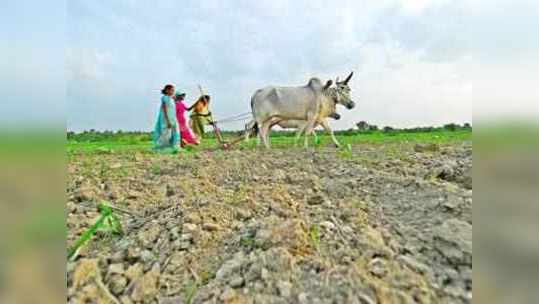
x=166, y=135
x=201, y=115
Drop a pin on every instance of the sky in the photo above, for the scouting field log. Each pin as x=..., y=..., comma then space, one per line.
x=98, y=64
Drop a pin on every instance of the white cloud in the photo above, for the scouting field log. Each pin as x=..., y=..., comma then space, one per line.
x=418, y=6
x=86, y=63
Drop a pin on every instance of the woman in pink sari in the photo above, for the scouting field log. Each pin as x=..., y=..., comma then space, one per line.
x=187, y=137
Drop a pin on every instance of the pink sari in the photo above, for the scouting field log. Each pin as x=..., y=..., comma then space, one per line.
x=186, y=133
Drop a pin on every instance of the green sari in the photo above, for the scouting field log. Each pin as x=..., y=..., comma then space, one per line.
x=198, y=121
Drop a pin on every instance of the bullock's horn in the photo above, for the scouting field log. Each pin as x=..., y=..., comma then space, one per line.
x=337, y=79
x=348, y=78
x=328, y=84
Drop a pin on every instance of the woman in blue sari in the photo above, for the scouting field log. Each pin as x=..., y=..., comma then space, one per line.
x=166, y=135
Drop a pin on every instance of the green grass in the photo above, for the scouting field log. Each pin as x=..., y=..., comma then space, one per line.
x=138, y=143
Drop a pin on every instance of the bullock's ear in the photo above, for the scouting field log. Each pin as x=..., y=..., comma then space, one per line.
x=328, y=84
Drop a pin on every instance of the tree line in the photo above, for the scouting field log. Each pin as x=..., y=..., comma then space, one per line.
x=361, y=127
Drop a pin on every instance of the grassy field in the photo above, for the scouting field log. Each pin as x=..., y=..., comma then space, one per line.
x=140, y=142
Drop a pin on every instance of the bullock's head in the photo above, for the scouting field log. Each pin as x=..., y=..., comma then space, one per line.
x=335, y=116
x=341, y=94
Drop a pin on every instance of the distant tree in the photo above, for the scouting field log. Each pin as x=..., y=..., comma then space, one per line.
x=362, y=126
x=467, y=125
x=373, y=128
x=451, y=126
x=388, y=129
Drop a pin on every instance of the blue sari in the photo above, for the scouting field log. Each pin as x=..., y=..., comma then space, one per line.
x=165, y=138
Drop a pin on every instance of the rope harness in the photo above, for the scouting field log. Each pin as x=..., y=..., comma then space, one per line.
x=239, y=117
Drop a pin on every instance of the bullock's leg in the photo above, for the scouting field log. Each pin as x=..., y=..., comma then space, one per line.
x=315, y=136
x=309, y=126
x=300, y=131
x=326, y=127
x=264, y=133
x=261, y=135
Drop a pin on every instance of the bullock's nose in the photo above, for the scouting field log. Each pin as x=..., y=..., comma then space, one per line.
x=335, y=116
x=350, y=105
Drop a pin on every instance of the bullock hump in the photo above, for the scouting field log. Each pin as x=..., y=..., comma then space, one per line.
x=315, y=83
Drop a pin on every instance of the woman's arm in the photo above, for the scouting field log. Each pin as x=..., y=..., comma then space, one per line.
x=192, y=106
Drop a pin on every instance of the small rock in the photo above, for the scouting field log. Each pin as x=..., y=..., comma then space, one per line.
x=134, y=272
x=450, y=204
x=373, y=236
x=86, y=270
x=291, y=234
x=228, y=295
x=236, y=282
x=258, y=287
x=146, y=288
x=453, y=240
x=189, y=228
x=303, y=298
x=231, y=266
x=237, y=225
x=85, y=194
x=421, y=148
x=327, y=225
x=211, y=227
x=192, y=218
x=347, y=230
x=134, y=253
x=205, y=294
x=243, y=214
x=316, y=199
x=133, y=195
x=264, y=274
x=116, y=166
x=275, y=208
x=147, y=256
x=117, y=284
x=377, y=267
x=117, y=257
x=182, y=245
x=170, y=190
x=125, y=300
x=174, y=233
x=285, y=289
x=171, y=300
x=365, y=299
x=70, y=266
x=186, y=237
x=149, y=236
x=446, y=172
x=413, y=264
x=117, y=268
x=123, y=245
